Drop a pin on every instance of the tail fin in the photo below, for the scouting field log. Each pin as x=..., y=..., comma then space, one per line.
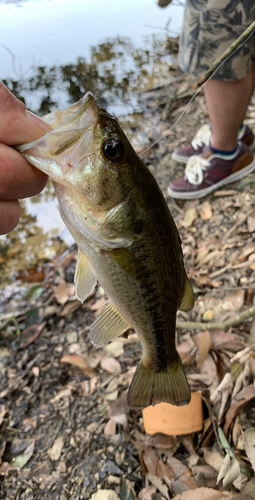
x=149, y=387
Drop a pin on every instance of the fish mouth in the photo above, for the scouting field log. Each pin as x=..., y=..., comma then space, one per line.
x=71, y=126
x=68, y=126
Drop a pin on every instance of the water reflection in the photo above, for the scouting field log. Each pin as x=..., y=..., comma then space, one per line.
x=116, y=73
x=112, y=73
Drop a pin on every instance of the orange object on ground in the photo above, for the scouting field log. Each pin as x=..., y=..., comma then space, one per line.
x=175, y=420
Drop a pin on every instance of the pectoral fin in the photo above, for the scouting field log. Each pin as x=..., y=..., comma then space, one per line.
x=84, y=278
x=108, y=325
x=188, y=296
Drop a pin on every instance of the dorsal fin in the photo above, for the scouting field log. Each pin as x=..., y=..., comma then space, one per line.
x=84, y=278
x=108, y=325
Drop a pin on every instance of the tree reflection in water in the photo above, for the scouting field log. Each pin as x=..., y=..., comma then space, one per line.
x=111, y=74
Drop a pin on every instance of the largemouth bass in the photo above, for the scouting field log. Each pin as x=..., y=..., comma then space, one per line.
x=127, y=239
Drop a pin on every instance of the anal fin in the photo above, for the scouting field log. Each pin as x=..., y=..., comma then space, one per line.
x=108, y=325
x=188, y=296
x=84, y=278
x=150, y=387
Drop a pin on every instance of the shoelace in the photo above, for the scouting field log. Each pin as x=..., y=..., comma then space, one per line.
x=203, y=136
x=194, y=169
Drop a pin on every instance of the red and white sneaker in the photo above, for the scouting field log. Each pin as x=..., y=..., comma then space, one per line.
x=207, y=172
x=203, y=138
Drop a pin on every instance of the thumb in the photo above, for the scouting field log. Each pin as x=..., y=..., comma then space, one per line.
x=17, y=125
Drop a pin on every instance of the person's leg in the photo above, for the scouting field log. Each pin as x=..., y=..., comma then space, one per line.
x=226, y=103
x=252, y=78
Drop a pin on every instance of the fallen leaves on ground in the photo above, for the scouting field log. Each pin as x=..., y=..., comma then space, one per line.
x=64, y=421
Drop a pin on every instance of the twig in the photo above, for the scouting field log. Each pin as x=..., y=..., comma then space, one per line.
x=242, y=38
x=241, y=220
x=225, y=325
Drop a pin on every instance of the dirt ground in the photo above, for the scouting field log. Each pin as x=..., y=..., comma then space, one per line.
x=65, y=430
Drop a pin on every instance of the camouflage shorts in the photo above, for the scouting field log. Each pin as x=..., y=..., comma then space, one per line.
x=209, y=27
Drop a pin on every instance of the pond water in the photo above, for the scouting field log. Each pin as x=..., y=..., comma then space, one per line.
x=52, y=51
x=54, y=32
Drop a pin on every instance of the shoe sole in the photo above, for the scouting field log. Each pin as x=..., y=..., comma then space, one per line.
x=252, y=147
x=203, y=192
x=181, y=159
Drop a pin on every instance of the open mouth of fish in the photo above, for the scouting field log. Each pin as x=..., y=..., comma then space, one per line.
x=62, y=147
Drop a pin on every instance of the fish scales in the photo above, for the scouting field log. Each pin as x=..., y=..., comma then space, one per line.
x=127, y=240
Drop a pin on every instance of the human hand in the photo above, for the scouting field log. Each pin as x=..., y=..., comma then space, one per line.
x=19, y=179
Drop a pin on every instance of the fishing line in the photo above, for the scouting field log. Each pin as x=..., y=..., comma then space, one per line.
x=193, y=97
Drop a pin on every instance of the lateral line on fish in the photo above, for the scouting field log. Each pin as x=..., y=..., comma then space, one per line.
x=195, y=95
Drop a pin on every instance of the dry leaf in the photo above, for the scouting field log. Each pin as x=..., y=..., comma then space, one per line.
x=234, y=300
x=229, y=470
x=189, y=216
x=240, y=482
x=63, y=291
x=114, y=348
x=199, y=377
x=209, y=367
x=98, y=306
x=110, y=365
x=121, y=419
x=30, y=334
x=176, y=466
x=105, y=495
x=249, y=434
x=250, y=451
x=111, y=396
x=237, y=430
x=205, y=494
x=76, y=360
x=206, y=211
x=156, y=481
x=93, y=384
x=213, y=458
x=55, y=451
x=110, y=428
x=3, y=411
x=22, y=459
x=163, y=470
x=203, y=341
x=248, y=490
x=151, y=458
x=2, y=450
x=146, y=493
x=251, y=223
x=119, y=406
x=70, y=307
x=207, y=471
x=65, y=393
x=241, y=399
x=161, y=441
x=5, y=468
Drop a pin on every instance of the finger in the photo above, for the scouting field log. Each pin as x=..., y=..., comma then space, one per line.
x=17, y=125
x=19, y=179
x=9, y=215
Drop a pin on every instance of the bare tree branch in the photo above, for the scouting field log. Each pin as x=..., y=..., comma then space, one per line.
x=225, y=325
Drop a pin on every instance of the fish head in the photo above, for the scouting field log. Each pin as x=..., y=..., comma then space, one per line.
x=87, y=152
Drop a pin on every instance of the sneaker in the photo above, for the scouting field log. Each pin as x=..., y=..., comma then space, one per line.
x=207, y=172
x=203, y=138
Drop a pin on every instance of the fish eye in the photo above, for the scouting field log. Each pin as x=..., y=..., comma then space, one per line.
x=113, y=150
